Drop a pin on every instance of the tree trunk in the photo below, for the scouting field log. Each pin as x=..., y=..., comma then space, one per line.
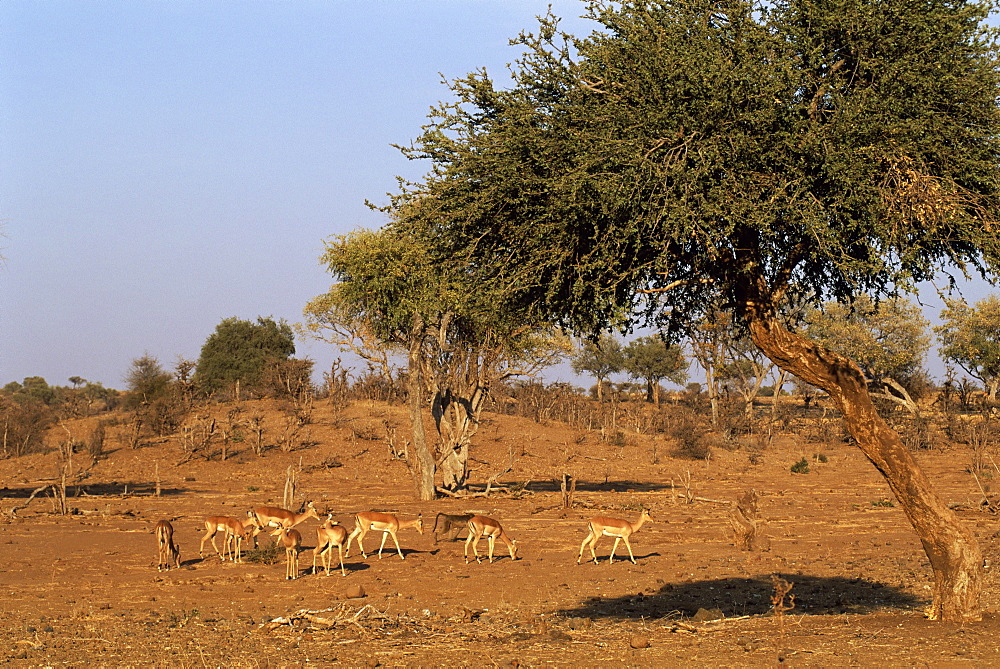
x=421, y=460
x=955, y=557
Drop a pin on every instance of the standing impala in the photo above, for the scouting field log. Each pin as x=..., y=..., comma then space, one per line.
x=386, y=523
x=481, y=526
x=272, y=516
x=235, y=531
x=328, y=535
x=169, y=552
x=292, y=541
x=621, y=530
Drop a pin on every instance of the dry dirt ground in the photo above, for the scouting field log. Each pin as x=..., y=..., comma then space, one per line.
x=83, y=589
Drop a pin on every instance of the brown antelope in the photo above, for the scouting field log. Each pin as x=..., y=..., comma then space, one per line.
x=328, y=535
x=450, y=524
x=292, y=541
x=481, y=526
x=272, y=516
x=621, y=530
x=386, y=523
x=235, y=531
x=169, y=552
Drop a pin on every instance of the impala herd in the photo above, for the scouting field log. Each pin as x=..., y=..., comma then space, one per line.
x=330, y=534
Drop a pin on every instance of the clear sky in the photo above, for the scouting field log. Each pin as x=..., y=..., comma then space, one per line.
x=166, y=164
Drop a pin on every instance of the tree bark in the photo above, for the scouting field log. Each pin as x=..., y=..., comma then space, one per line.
x=954, y=554
x=421, y=460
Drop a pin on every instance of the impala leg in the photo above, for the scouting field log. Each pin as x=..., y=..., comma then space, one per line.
x=586, y=542
x=492, y=541
x=398, y=549
x=629, y=547
x=613, y=549
x=468, y=541
x=343, y=572
x=382, y=545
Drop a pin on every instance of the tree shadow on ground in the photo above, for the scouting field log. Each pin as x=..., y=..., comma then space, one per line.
x=554, y=485
x=93, y=490
x=814, y=595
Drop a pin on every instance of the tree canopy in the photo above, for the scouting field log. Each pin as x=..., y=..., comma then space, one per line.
x=970, y=337
x=691, y=154
x=240, y=350
x=887, y=339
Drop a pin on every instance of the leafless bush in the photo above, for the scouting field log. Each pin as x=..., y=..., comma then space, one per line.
x=257, y=430
x=95, y=442
x=746, y=522
x=24, y=426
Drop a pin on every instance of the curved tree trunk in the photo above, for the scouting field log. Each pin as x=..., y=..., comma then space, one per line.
x=955, y=556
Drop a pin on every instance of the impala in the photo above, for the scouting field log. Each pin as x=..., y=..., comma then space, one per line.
x=386, y=523
x=169, y=552
x=481, y=526
x=328, y=535
x=235, y=532
x=621, y=530
x=272, y=516
x=292, y=541
x=450, y=523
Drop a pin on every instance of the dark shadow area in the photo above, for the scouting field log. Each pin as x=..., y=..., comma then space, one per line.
x=553, y=485
x=94, y=490
x=814, y=595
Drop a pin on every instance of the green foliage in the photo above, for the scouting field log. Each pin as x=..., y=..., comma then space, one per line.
x=883, y=503
x=885, y=339
x=241, y=350
x=600, y=358
x=146, y=381
x=800, y=467
x=723, y=154
x=652, y=359
x=970, y=337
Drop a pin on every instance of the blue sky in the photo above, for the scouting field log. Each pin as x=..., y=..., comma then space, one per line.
x=168, y=164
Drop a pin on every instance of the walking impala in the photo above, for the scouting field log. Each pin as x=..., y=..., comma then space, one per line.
x=328, y=535
x=621, y=530
x=235, y=531
x=481, y=526
x=386, y=523
x=169, y=552
x=292, y=541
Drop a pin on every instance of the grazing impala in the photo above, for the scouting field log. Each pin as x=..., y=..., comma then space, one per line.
x=169, y=552
x=328, y=535
x=235, y=532
x=292, y=541
x=481, y=526
x=451, y=524
x=272, y=516
x=386, y=523
x=621, y=530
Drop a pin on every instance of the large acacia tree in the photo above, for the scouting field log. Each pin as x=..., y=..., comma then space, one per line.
x=698, y=154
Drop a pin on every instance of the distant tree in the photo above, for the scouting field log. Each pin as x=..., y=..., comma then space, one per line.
x=653, y=360
x=460, y=340
x=888, y=340
x=146, y=381
x=240, y=350
x=77, y=381
x=599, y=358
x=970, y=337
